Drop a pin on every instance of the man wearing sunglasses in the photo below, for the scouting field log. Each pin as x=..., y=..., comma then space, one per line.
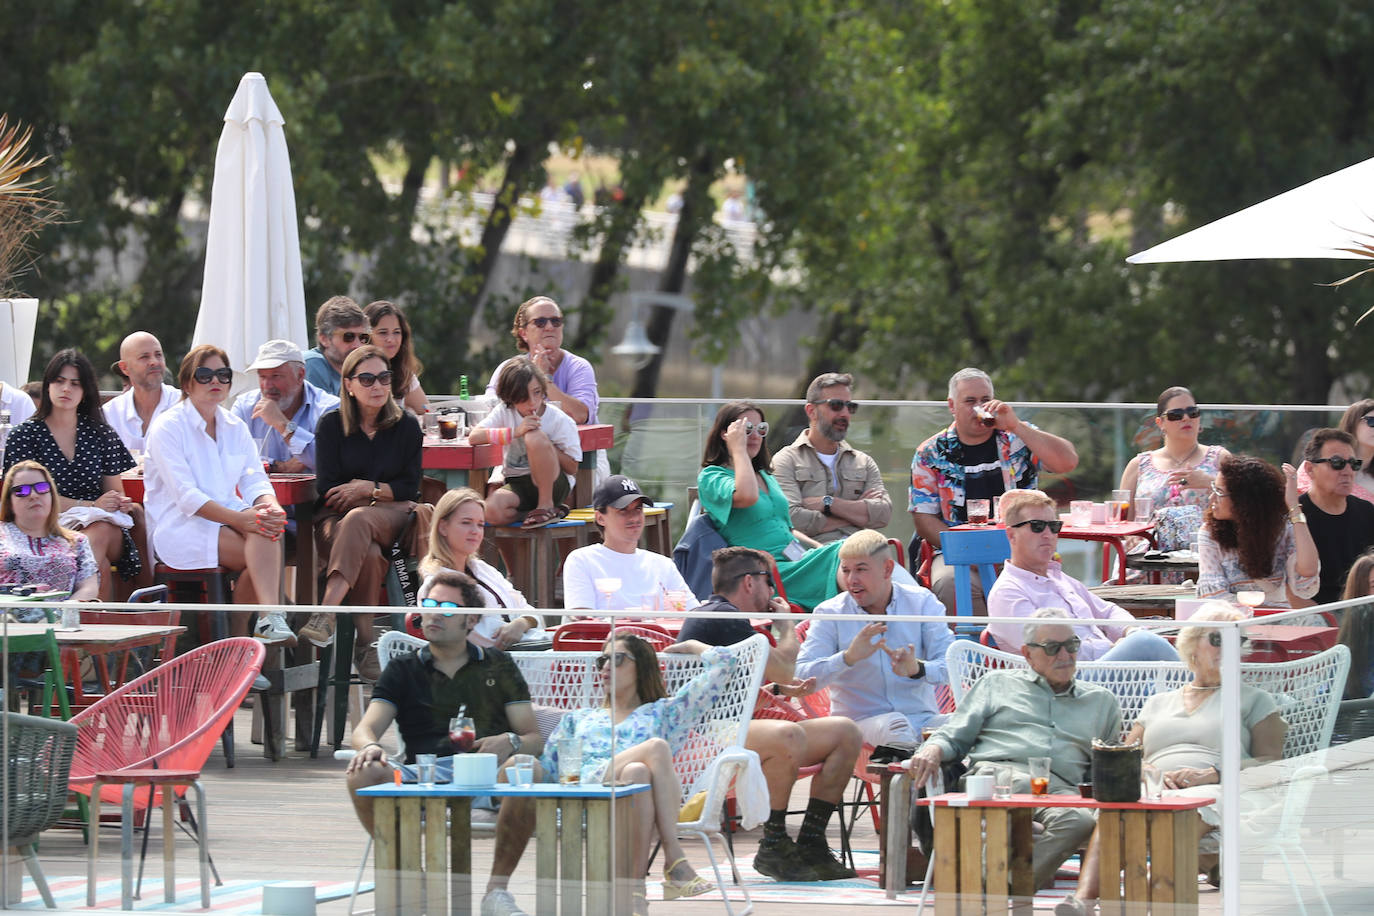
x=1012, y=714
x=340, y=328
x=421, y=692
x=1033, y=579
x=985, y=452
x=742, y=581
x=832, y=488
x=1342, y=526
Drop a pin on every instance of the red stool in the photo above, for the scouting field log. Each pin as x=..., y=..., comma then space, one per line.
x=168, y=780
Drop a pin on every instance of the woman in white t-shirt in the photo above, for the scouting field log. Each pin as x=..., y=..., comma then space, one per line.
x=455, y=537
x=542, y=448
x=643, y=575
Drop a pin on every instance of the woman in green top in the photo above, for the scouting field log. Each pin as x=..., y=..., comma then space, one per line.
x=742, y=498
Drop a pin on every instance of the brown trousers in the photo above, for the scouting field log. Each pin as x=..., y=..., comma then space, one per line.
x=357, y=545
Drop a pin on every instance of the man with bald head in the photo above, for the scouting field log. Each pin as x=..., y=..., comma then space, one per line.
x=133, y=412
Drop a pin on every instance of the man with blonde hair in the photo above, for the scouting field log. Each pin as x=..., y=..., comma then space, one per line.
x=880, y=667
x=1032, y=579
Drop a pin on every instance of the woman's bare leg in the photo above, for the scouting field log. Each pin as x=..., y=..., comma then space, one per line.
x=260, y=559
x=107, y=543
x=652, y=763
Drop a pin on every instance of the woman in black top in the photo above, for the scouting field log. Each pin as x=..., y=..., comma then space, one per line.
x=367, y=469
x=69, y=436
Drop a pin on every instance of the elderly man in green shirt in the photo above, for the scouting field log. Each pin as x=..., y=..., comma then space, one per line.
x=1014, y=714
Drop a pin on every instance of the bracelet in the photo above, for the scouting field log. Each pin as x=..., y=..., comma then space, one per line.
x=370, y=744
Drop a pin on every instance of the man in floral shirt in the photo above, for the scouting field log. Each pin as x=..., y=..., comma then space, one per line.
x=986, y=451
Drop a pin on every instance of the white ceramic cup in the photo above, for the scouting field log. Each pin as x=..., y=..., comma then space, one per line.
x=979, y=787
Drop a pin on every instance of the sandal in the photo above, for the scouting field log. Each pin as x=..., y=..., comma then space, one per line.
x=639, y=903
x=538, y=518
x=692, y=887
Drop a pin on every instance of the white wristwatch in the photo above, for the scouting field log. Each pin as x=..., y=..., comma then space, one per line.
x=290, y=429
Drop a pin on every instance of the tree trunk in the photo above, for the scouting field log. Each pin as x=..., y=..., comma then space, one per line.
x=696, y=209
x=840, y=334
x=595, y=311
x=521, y=163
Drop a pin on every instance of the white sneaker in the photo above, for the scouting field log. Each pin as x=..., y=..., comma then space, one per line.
x=501, y=902
x=272, y=628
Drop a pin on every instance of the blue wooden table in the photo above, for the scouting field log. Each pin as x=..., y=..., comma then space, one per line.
x=409, y=828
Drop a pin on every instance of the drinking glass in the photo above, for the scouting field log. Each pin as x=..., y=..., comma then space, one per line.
x=1153, y=777
x=448, y=427
x=1001, y=781
x=1250, y=599
x=570, y=761
x=424, y=766
x=1119, y=509
x=520, y=770
x=1040, y=775
x=1081, y=513
x=978, y=511
x=461, y=734
x=1144, y=508
x=607, y=588
x=429, y=423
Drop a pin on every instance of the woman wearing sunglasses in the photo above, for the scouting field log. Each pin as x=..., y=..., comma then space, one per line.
x=649, y=727
x=1177, y=475
x=367, y=471
x=69, y=436
x=1254, y=536
x=34, y=548
x=738, y=491
x=538, y=332
x=1181, y=734
x=455, y=537
x=1358, y=421
x=391, y=333
x=209, y=502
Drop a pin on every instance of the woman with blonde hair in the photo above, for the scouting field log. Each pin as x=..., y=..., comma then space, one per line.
x=367, y=470
x=455, y=538
x=34, y=548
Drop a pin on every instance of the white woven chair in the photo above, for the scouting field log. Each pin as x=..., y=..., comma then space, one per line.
x=1307, y=690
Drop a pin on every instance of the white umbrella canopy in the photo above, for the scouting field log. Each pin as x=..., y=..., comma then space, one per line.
x=253, y=289
x=1321, y=219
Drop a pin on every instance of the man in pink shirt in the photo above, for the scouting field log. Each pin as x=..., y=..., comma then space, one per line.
x=1032, y=579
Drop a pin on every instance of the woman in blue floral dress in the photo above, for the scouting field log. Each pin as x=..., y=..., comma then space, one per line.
x=649, y=727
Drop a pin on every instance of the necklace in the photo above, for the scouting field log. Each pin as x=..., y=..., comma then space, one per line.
x=1203, y=686
x=1180, y=462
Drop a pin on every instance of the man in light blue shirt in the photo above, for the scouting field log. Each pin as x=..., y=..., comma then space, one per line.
x=880, y=667
x=283, y=412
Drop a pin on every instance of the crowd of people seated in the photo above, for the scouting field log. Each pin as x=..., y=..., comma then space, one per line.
x=809, y=517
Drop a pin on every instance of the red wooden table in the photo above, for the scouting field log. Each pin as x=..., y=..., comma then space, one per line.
x=295, y=490
x=465, y=465
x=1111, y=536
x=1280, y=643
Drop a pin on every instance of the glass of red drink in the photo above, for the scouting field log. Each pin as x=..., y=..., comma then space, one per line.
x=461, y=734
x=1040, y=775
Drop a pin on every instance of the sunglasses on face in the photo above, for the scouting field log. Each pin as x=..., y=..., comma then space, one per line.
x=1214, y=639
x=1218, y=492
x=359, y=336
x=430, y=602
x=1339, y=462
x=749, y=428
x=1038, y=525
x=541, y=323
x=1178, y=413
x=1053, y=646
x=204, y=375
x=368, y=379
x=836, y=404
x=1368, y=419
x=602, y=659
x=763, y=573
x=28, y=489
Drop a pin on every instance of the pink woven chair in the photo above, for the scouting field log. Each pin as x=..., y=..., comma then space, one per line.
x=167, y=719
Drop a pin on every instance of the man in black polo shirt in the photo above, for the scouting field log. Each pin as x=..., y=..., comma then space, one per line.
x=423, y=691
x=1342, y=526
x=742, y=581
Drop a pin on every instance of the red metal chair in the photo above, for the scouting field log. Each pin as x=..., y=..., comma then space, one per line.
x=590, y=635
x=167, y=719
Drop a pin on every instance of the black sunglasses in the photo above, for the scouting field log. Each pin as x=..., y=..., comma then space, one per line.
x=368, y=379
x=837, y=404
x=28, y=489
x=204, y=375
x=554, y=322
x=603, y=658
x=1338, y=462
x=1178, y=413
x=359, y=336
x=1038, y=525
x=1214, y=638
x=759, y=572
x=1368, y=419
x=1053, y=646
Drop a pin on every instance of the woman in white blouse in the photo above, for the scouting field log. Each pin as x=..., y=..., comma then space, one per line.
x=455, y=537
x=208, y=500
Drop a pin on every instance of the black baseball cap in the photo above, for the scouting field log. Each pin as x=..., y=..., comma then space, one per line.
x=618, y=491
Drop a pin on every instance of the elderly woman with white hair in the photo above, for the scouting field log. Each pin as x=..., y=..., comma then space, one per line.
x=1181, y=733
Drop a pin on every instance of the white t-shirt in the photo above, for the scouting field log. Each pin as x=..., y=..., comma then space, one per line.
x=121, y=413
x=642, y=574
x=557, y=425
x=17, y=402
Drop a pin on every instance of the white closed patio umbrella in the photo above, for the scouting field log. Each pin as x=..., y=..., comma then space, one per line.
x=253, y=289
x=1331, y=217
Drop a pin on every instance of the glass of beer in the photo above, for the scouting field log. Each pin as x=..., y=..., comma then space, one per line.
x=1040, y=775
x=978, y=510
x=985, y=416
